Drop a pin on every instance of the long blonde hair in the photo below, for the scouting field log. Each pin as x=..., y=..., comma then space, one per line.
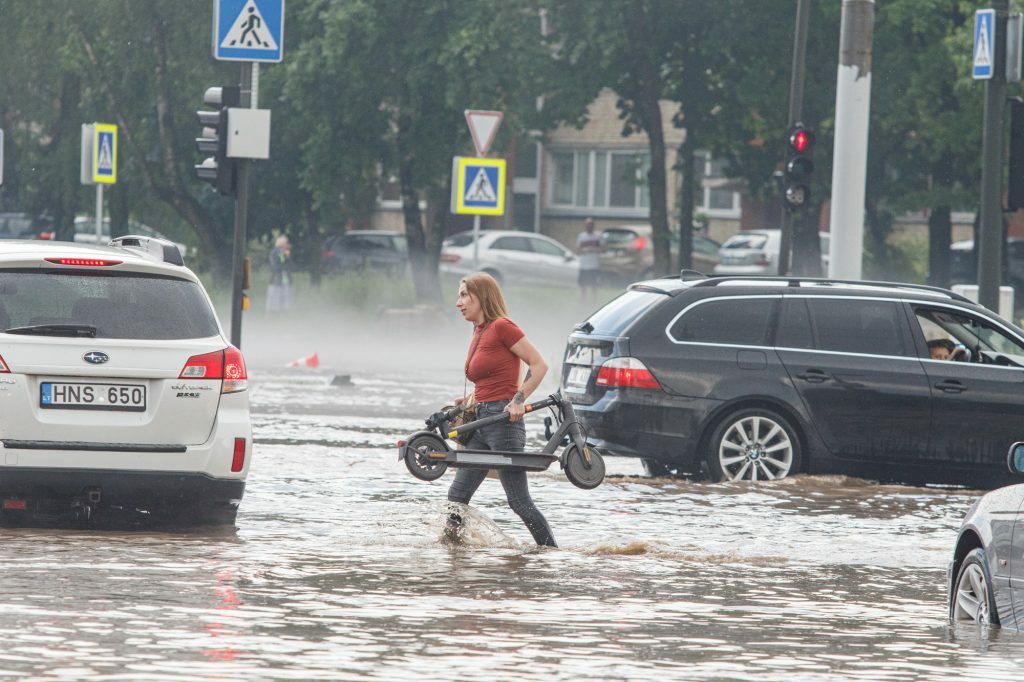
x=486, y=290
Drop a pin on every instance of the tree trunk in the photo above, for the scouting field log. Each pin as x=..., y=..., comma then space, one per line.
x=940, y=236
x=423, y=268
x=687, y=197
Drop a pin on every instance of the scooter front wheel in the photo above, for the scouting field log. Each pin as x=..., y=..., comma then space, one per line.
x=418, y=460
x=585, y=472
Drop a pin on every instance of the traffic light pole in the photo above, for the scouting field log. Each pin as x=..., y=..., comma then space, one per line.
x=796, y=103
x=241, y=214
x=990, y=230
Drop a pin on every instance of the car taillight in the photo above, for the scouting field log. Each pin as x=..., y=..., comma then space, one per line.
x=227, y=365
x=235, y=378
x=87, y=262
x=639, y=243
x=328, y=255
x=449, y=258
x=4, y=369
x=238, y=457
x=626, y=373
x=763, y=260
x=45, y=235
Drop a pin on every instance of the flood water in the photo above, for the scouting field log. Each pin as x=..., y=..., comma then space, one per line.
x=337, y=570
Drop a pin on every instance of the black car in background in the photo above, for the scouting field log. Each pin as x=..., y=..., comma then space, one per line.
x=360, y=250
x=760, y=378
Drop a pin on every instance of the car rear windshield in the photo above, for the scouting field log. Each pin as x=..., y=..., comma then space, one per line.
x=745, y=241
x=619, y=236
x=463, y=239
x=621, y=312
x=121, y=306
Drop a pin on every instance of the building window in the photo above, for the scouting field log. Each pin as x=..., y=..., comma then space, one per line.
x=717, y=198
x=600, y=179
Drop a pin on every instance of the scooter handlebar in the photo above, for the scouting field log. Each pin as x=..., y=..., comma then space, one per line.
x=494, y=419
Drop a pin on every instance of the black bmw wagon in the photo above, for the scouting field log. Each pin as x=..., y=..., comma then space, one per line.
x=739, y=378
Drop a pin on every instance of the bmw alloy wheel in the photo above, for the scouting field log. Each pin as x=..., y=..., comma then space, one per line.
x=755, y=447
x=972, y=596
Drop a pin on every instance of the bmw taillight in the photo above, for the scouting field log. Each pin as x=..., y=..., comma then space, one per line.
x=225, y=365
x=626, y=373
x=639, y=243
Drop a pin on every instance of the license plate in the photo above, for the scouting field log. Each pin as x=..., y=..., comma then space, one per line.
x=88, y=396
x=578, y=379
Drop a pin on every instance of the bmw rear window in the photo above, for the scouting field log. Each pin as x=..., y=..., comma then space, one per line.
x=745, y=241
x=119, y=306
x=621, y=312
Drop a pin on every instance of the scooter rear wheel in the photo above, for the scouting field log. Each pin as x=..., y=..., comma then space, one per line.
x=418, y=460
x=577, y=471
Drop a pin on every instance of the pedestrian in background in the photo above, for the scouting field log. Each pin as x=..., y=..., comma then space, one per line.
x=279, y=290
x=588, y=247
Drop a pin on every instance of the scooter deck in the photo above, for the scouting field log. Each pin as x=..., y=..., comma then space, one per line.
x=493, y=459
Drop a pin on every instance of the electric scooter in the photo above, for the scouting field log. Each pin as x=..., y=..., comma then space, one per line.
x=428, y=454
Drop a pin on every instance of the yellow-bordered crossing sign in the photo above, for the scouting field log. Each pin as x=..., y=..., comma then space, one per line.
x=479, y=187
x=104, y=153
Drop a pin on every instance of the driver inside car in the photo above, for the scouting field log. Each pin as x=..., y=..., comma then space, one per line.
x=946, y=349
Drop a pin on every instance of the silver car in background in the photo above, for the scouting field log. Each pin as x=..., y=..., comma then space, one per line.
x=511, y=256
x=986, y=575
x=756, y=252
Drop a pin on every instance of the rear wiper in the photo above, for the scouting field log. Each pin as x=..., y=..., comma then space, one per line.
x=85, y=330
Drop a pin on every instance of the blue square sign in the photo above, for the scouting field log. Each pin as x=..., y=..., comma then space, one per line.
x=984, y=55
x=248, y=30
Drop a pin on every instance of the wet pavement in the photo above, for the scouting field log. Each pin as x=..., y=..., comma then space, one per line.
x=338, y=571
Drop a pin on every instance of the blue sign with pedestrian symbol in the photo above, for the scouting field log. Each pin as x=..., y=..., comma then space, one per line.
x=984, y=55
x=248, y=30
x=479, y=187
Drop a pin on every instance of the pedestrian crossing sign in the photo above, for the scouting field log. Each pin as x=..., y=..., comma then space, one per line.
x=248, y=30
x=479, y=186
x=104, y=153
x=983, y=56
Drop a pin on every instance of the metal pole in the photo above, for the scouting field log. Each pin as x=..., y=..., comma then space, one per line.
x=990, y=231
x=796, y=104
x=850, y=151
x=241, y=207
x=99, y=212
x=476, y=241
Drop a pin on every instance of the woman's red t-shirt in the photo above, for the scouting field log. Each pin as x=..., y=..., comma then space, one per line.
x=494, y=369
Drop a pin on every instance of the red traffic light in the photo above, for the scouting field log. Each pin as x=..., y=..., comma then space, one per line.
x=801, y=140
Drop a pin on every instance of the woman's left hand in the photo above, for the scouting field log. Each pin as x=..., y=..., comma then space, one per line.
x=515, y=411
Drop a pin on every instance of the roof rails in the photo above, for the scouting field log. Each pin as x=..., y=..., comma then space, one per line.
x=161, y=250
x=821, y=281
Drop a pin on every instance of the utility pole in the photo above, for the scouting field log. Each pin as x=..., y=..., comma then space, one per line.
x=990, y=230
x=850, y=152
x=247, y=99
x=796, y=104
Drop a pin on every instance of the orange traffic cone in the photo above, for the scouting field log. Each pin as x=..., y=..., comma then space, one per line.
x=312, y=360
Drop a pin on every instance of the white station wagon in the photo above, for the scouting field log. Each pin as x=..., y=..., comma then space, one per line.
x=120, y=396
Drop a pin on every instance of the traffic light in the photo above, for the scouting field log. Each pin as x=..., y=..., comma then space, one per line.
x=218, y=169
x=797, y=178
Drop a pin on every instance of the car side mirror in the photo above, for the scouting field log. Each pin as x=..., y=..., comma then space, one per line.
x=568, y=256
x=1015, y=458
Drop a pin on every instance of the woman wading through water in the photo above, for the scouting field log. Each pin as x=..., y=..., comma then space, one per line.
x=493, y=364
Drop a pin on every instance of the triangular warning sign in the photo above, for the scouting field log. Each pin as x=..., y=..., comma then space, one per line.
x=981, y=54
x=249, y=30
x=482, y=126
x=481, y=189
x=106, y=157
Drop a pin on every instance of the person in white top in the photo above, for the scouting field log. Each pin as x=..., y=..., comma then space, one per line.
x=588, y=247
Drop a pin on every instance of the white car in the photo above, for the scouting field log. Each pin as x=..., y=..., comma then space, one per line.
x=511, y=256
x=756, y=252
x=121, y=396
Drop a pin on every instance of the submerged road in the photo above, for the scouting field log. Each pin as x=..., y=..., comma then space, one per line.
x=338, y=571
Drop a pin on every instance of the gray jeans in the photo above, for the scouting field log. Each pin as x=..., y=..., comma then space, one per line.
x=507, y=437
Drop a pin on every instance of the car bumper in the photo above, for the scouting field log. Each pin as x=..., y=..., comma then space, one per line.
x=646, y=424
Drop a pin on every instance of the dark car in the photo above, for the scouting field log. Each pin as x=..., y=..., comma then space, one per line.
x=753, y=378
x=963, y=264
x=366, y=250
x=986, y=575
x=628, y=253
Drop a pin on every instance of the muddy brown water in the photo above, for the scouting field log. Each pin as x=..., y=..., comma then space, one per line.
x=337, y=571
